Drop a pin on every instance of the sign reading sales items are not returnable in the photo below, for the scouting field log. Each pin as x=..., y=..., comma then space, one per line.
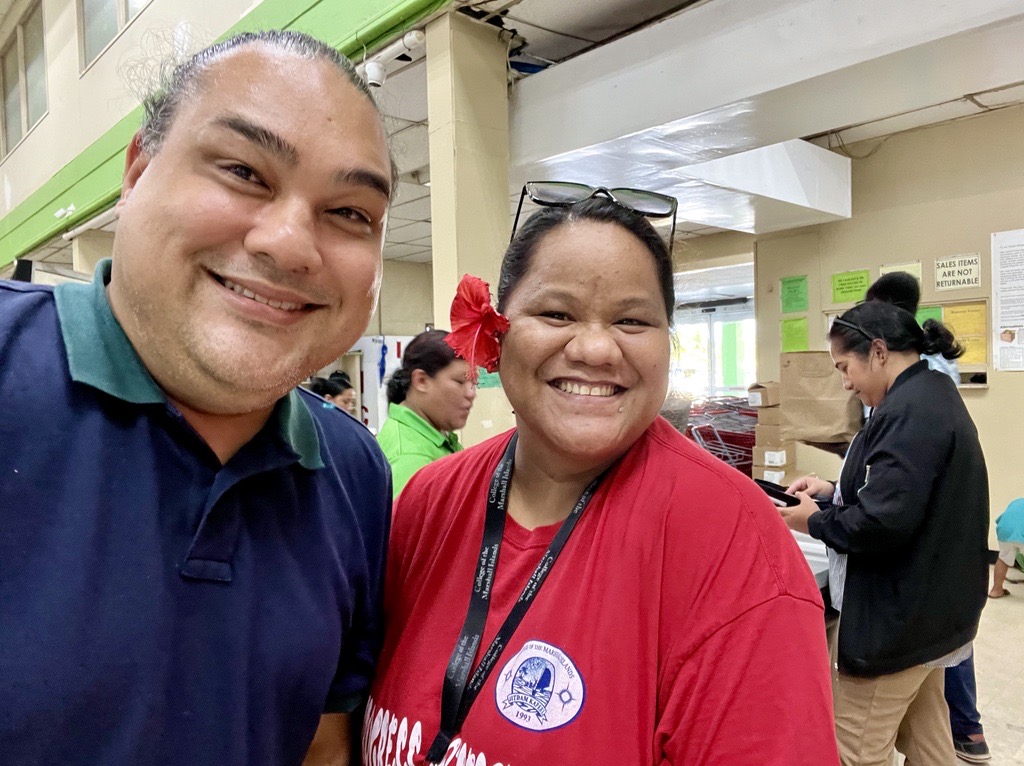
x=958, y=272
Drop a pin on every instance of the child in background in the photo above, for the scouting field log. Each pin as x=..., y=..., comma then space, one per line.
x=1010, y=533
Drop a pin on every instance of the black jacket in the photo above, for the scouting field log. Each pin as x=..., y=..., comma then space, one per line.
x=915, y=528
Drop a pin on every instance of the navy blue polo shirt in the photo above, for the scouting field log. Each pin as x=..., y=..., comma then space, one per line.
x=157, y=607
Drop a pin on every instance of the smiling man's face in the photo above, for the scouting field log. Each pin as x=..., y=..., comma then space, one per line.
x=248, y=250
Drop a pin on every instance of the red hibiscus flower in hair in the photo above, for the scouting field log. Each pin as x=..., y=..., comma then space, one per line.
x=477, y=328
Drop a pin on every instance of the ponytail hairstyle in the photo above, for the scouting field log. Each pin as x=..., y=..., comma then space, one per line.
x=429, y=352
x=855, y=330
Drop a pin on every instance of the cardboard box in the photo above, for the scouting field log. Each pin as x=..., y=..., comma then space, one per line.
x=782, y=476
x=815, y=407
x=782, y=456
x=764, y=394
x=768, y=436
x=769, y=416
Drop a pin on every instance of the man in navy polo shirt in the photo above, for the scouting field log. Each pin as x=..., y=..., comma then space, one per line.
x=191, y=554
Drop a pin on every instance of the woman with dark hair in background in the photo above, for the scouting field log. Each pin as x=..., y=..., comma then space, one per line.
x=429, y=398
x=592, y=587
x=902, y=289
x=337, y=390
x=909, y=521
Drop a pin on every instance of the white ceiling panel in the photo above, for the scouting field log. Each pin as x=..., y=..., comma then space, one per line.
x=417, y=210
x=394, y=251
x=422, y=256
x=830, y=61
x=395, y=125
x=718, y=283
x=404, y=94
x=411, y=149
x=408, y=233
x=407, y=192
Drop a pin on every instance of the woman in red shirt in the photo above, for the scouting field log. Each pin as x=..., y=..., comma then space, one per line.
x=591, y=587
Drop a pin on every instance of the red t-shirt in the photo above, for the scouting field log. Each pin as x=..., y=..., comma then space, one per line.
x=680, y=625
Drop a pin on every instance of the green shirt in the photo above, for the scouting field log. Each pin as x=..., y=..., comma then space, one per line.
x=409, y=442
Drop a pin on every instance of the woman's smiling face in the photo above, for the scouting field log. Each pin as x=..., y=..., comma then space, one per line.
x=585, y=361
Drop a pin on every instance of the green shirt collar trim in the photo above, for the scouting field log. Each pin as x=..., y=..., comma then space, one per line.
x=408, y=417
x=298, y=429
x=100, y=355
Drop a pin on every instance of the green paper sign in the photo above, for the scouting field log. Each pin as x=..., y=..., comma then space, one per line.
x=793, y=293
x=795, y=336
x=850, y=286
x=488, y=379
x=929, y=312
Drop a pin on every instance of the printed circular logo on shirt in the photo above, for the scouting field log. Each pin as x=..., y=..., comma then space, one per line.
x=539, y=688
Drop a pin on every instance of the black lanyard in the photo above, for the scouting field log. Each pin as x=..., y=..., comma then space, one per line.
x=458, y=694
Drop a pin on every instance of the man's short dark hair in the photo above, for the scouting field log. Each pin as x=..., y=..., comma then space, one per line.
x=161, y=107
x=898, y=288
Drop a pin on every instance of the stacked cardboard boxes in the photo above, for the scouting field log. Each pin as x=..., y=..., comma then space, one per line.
x=774, y=456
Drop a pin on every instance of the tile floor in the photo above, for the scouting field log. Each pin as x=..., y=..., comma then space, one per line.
x=999, y=666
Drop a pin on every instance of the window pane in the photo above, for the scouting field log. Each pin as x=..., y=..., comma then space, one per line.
x=134, y=6
x=99, y=18
x=690, y=360
x=12, y=97
x=35, y=66
x=736, y=362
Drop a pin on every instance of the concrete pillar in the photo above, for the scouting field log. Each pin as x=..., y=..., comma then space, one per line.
x=89, y=248
x=467, y=96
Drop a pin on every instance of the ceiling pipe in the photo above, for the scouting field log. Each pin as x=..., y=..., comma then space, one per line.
x=96, y=222
x=408, y=42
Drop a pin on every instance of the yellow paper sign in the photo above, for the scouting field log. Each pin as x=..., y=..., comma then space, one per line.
x=969, y=323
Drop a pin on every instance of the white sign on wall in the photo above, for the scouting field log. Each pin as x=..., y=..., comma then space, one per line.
x=913, y=268
x=1008, y=300
x=958, y=272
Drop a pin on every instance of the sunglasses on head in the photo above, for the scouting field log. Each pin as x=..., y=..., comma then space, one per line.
x=563, y=194
x=852, y=326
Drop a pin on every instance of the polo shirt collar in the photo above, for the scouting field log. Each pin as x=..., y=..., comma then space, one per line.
x=101, y=356
x=419, y=424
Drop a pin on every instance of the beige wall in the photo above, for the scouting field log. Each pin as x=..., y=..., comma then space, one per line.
x=924, y=195
x=725, y=249
x=82, y=106
x=405, y=304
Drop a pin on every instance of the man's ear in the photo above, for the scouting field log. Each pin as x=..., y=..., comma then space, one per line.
x=136, y=160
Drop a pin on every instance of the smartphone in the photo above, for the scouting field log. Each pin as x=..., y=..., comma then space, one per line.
x=777, y=493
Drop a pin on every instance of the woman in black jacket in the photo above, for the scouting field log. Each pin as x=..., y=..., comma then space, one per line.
x=908, y=532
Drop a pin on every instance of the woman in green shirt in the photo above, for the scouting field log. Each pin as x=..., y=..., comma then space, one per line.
x=429, y=398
